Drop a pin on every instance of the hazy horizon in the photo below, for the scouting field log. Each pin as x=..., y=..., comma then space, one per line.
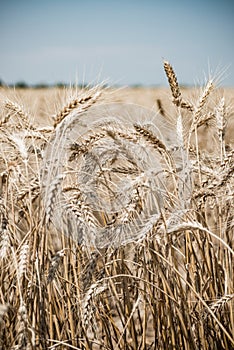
x=122, y=43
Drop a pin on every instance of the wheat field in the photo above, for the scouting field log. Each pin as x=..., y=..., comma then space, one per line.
x=117, y=217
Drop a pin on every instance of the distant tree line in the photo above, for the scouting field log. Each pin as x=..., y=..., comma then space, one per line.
x=23, y=85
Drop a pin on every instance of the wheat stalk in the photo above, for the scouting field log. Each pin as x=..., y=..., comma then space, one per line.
x=151, y=243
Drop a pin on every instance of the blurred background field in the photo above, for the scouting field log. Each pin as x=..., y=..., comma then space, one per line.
x=43, y=103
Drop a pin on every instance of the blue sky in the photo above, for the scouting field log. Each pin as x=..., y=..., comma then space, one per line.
x=122, y=41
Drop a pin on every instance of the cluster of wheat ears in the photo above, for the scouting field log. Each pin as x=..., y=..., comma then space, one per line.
x=117, y=224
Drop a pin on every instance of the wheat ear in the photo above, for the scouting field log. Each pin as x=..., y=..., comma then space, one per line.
x=49, y=206
x=221, y=125
x=216, y=306
x=172, y=79
x=150, y=137
x=3, y=311
x=23, y=259
x=82, y=104
x=4, y=232
x=54, y=265
x=15, y=108
x=203, y=99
